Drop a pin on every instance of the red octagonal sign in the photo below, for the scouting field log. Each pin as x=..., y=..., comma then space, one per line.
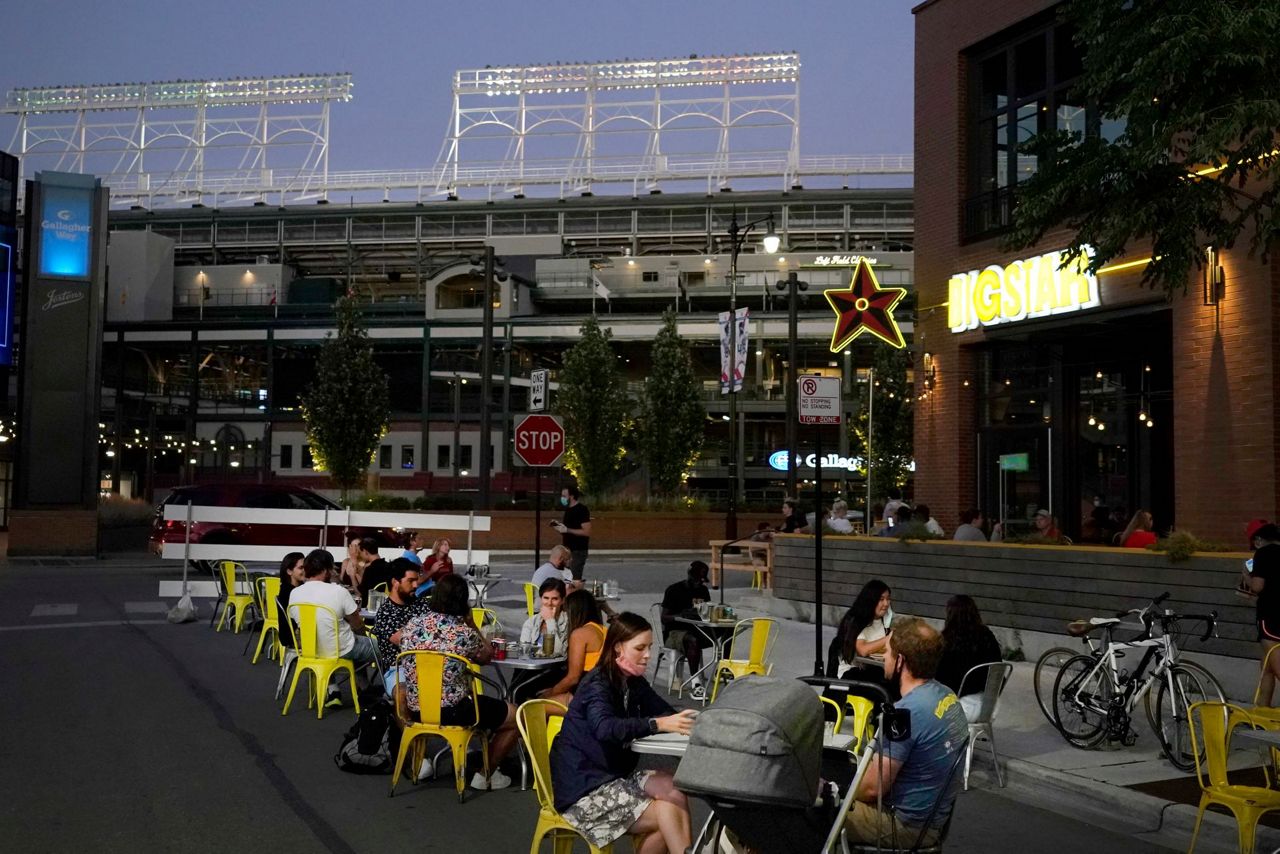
x=539, y=440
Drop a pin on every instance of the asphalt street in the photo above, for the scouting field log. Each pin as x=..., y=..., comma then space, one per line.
x=126, y=733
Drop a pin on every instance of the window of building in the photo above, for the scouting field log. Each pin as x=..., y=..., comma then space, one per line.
x=465, y=456
x=406, y=457
x=442, y=456
x=1021, y=83
x=307, y=461
x=286, y=456
x=649, y=276
x=384, y=457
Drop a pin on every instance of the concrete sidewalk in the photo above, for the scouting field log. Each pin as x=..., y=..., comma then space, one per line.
x=1040, y=768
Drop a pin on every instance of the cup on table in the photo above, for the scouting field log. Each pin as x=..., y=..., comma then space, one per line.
x=526, y=650
x=548, y=645
x=499, y=650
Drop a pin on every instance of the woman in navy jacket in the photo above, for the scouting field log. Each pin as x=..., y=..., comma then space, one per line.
x=593, y=771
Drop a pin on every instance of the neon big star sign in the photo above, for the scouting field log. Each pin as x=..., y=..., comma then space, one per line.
x=864, y=306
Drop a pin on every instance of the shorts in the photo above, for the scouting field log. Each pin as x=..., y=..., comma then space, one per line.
x=675, y=639
x=577, y=563
x=869, y=826
x=493, y=714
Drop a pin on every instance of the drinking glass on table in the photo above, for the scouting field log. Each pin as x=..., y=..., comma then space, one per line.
x=548, y=645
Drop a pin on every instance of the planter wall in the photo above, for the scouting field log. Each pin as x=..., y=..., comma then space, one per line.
x=514, y=529
x=1027, y=588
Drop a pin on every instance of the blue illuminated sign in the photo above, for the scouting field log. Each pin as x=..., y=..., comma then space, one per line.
x=6, y=298
x=65, y=232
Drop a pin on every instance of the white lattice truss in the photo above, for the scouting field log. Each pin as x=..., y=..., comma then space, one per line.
x=183, y=140
x=634, y=122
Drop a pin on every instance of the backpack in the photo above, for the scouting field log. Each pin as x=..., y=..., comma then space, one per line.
x=368, y=746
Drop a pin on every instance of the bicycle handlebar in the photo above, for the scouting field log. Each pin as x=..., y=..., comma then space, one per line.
x=1144, y=613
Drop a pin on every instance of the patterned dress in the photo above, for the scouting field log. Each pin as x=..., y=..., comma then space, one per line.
x=440, y=633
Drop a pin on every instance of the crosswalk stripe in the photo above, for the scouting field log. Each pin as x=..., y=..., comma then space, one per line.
x=172, y=589
x=55, y=610
x=146, y=607
x=85, y=625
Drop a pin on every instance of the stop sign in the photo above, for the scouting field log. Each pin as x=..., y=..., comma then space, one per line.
x=539, y=440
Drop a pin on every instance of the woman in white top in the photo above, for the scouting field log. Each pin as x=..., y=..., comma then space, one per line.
x=549, y=623
x=863, y=630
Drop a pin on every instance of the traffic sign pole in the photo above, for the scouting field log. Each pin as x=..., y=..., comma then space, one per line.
x=817, y=555
x=537, y=517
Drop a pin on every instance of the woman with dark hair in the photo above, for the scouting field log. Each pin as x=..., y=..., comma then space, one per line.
x=596, y=785
x=586, y=640
x=863, y=631
x=447, y=627
x=291, y=575
x=966, y=644
x=548, y=628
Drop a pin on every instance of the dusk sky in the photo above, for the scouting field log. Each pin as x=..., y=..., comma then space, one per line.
x=856, y=82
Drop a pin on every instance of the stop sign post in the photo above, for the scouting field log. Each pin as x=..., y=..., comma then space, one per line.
x=539, y=443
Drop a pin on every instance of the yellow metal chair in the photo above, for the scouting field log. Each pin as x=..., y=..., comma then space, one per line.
x=531, y=597
x=1246, y=803
x=486, y=621
x=430, y=674
x=827, y=701
x=762, y=632
x=268, y=587
x=534, y=726
x=860, y=709
x=231, y=574
x=310, y=658
x=591, y=659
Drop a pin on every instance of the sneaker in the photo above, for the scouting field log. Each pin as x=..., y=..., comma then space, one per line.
x=428, y=769
x=497, y=780
x=333, y=701
x=698, y=691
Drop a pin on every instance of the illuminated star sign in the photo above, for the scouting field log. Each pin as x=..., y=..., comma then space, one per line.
x=865, y=307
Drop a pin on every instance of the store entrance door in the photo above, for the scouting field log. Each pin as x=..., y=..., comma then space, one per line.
x=1015, y=476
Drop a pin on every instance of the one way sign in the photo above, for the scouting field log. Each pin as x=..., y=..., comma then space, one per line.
x=538, y=391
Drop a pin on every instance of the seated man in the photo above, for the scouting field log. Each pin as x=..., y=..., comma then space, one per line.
x=909, y=776
x=400, y=607
x=316, y=590
x=680, y=600
x=376, y=569
x=900, y=519
x=557, y=566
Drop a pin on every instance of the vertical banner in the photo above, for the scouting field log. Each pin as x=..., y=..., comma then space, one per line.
x=740, y=345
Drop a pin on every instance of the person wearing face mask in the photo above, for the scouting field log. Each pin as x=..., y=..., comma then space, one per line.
x=575, y=529
x=908, y=775
x=596, y=785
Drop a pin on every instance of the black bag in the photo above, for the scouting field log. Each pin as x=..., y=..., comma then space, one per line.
x=369, y=747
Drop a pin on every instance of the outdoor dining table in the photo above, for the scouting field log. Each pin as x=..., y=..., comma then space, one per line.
x=719, y=633
x=480, y=586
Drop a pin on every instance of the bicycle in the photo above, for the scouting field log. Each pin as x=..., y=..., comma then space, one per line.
x=1094, y=698
x=1050, y=664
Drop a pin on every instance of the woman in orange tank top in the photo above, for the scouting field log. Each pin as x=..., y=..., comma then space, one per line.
x=586, y=640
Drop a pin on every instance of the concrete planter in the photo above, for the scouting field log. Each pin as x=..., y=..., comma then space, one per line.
x=1022, y=588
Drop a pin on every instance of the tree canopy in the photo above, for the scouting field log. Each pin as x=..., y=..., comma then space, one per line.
x=892, y=439
x=672, y=418
x=1195, y=83
x=592, y=400
x=347, y=405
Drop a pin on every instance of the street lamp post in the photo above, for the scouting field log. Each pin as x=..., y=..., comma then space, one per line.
x=792, y=285
x=486, y=381
x=737, y=237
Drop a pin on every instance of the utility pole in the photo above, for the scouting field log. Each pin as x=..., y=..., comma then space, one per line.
x=486, y=381
x=792, y=285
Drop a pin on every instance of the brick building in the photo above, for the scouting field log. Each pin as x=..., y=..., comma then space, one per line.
x=1118, y=397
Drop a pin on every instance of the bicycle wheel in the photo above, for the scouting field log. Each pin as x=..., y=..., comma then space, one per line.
x=1081, y=697
x=1208, y=681
x=1046, y=673
x=1192, y=684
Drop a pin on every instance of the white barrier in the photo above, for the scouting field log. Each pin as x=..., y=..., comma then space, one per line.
x=322, y=520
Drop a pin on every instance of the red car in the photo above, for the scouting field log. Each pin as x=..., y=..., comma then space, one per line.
x=267, y=497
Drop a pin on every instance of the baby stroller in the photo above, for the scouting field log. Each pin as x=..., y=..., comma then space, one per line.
x=755, y=758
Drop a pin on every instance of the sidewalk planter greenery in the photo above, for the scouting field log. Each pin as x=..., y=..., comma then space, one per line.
x=1024, y=587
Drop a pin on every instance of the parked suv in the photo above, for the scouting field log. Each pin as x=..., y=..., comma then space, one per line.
x=255, y=495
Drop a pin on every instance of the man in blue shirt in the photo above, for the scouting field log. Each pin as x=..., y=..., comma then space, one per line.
x=908, y=777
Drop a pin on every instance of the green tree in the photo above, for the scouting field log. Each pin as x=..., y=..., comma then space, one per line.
x=592, y=400
x=672, y=417
x=347, y=405
x=892, y=439
x=1194, y=83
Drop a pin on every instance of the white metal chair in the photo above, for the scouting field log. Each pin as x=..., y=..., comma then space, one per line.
x=998, y=673
x=677, y=656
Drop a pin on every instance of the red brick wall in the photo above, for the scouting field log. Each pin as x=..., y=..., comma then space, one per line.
x=1224, y=359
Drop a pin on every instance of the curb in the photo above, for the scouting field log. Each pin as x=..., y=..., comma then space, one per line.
x=1117, y=808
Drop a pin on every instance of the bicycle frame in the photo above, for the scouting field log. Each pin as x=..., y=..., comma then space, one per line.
x=1162, y=649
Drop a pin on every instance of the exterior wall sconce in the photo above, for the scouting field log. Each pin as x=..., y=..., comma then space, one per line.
x=1215, y=282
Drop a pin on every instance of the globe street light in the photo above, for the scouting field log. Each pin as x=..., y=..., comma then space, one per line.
x=737, y=237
